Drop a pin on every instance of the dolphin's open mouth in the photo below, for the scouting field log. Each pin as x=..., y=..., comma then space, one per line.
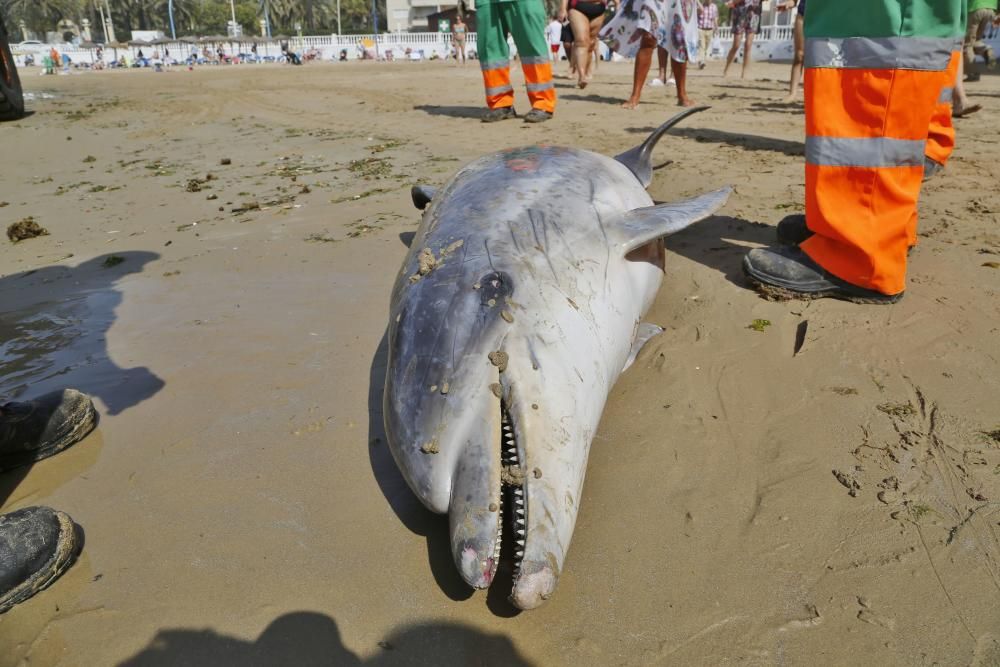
x=512, y=496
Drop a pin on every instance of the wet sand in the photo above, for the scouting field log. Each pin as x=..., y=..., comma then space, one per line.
x=823, y=491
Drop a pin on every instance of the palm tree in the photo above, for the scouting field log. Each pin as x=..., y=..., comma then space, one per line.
x=312, y=14
x=40, y=16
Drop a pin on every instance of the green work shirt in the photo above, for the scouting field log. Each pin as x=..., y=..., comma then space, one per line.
x=886, y=18
x=982, y=4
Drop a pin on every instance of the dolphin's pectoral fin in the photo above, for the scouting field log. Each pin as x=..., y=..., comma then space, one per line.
x=642, y=225
x=422, y=195
x=646, y=332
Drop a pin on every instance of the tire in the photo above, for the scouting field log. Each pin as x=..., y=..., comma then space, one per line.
x=11, y=96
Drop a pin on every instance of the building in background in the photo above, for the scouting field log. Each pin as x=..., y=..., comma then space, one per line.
x=415, y=15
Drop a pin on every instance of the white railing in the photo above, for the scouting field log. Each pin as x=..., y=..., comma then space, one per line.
x=768, y=33
x=772, y=43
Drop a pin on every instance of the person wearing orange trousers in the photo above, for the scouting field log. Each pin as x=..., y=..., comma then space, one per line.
x=876, y=72
x=526, y=21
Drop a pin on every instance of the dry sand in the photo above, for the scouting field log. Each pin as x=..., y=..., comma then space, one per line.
x=240, y=504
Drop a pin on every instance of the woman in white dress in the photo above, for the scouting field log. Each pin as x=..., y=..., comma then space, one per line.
x=639, y=26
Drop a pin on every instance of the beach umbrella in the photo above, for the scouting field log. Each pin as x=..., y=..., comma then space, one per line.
x=115, y=46
x=90, y=46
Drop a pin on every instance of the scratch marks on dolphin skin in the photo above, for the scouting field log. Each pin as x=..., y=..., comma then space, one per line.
x=540, y=244
x=513, y=237
x=489, y=255
x=604, y=235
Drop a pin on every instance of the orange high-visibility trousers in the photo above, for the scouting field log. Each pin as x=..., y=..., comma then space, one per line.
x=941, y=133
x=525, y=21
x=869, y=107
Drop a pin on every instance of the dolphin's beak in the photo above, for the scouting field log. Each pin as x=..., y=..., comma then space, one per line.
x=534, y=586
x=475, y=513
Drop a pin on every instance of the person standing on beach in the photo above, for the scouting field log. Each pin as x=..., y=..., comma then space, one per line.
x=876, y=72
x=981, y=14
x=458, y=30
x=639, y=26
x=585, y=18
x=567, y=44
x=798, y=34
x=708, y=23
x=745, y=24
x=554, y=34
x=525, y=21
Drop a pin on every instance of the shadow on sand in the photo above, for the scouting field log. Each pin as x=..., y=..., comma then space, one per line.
x=454, y=112
x=720, y=243
x=53, y=334
x=308, y=638
x=600, y=99
x=750, y=142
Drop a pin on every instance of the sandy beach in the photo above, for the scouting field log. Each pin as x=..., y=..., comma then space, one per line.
x=823, y=489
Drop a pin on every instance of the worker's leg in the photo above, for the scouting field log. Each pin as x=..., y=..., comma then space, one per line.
x=941, y=133
x=527, y=26
x=494, y=56
x=874, y=74
x=869, y=103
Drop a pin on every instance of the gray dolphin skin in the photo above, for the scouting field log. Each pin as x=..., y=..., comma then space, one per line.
x=517, y=308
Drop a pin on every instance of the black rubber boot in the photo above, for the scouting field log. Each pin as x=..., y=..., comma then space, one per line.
x=37, y=544
x=537, y=116
x=498, y=114
x=786, y=272
x=33, y=430
x=792, y=229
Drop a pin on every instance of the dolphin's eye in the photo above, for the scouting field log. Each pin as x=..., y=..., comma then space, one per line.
x=495, y=286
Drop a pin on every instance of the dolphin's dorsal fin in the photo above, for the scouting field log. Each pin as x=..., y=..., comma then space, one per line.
x=422, y=195
x=638, y=159
x=642, y=225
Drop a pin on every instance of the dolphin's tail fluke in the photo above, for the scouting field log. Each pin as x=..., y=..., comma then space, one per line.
x=639, y=159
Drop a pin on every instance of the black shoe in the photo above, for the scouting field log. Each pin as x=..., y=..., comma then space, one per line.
x=500, y=113
x=792, y=229
x=931, y=168
x=537, y=116
x=971, y=77
x=37, y=544
x=786, y=272
x=33, y=430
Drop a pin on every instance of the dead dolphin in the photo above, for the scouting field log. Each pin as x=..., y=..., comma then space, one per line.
x=514, y=313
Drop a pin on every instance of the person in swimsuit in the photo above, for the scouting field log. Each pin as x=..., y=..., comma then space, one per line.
x=458, y=29
x=586, y=18
x=746, y=24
